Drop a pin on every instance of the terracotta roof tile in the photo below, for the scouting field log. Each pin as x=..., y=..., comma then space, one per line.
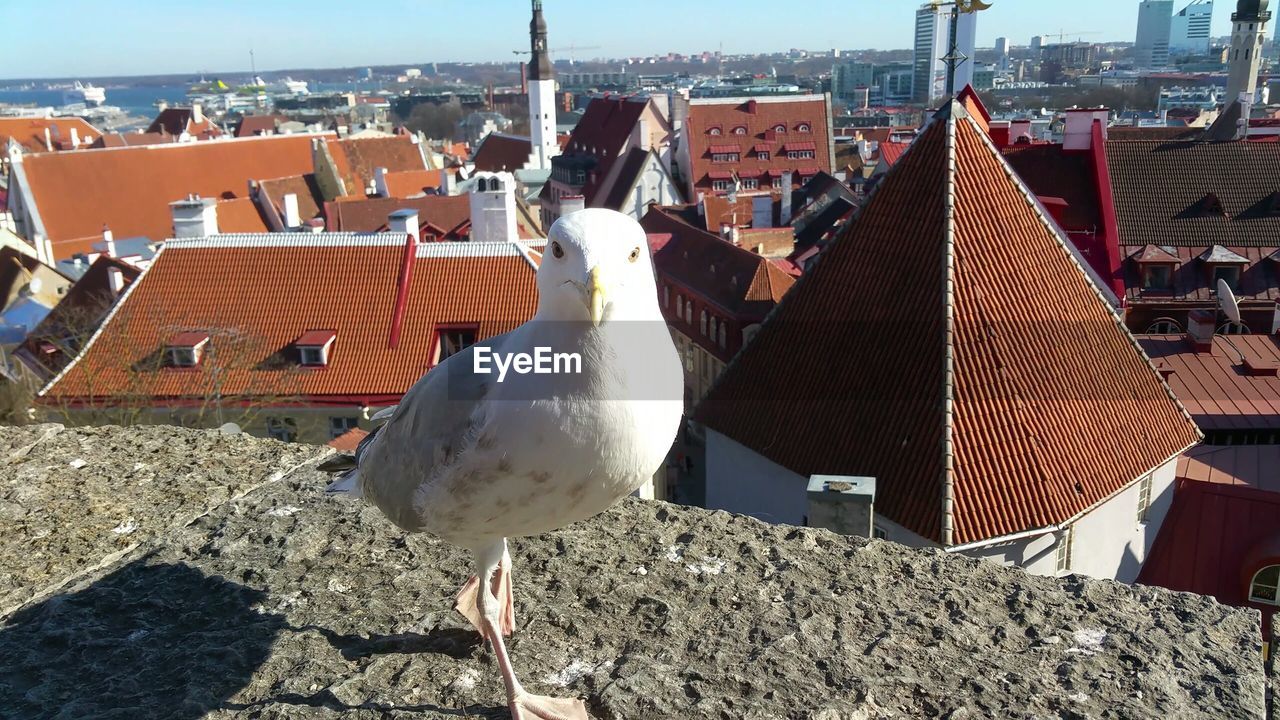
x=240, y=216
x=758, y=118
x=1054, y=410
x=446, y=216
x=356, y=159
x=251, y=125
x=175, y=121
x=348, y=441
x=310, y=198
x=29, y=132
x=500, y=152
x=129, y=189
x=255, y=294
x=411, y=183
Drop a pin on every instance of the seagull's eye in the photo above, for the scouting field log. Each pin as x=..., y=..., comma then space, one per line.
x=556, y=250
x=635, y=254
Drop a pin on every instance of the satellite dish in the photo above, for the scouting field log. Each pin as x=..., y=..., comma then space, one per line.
x=1227, y=300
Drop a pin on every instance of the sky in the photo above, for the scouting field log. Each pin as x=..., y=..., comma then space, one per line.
x=93, y=39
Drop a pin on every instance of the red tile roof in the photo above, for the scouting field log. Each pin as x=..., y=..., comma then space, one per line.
x=891, y=151
x=444, y=216
x=348, y=441
x=1192, y=281
x=310, y=198
x=116, y=140
x=1213, y=540
x=1054, y=407
x=251, y=125
x=759, y=118
x=29, y=132
x=255, y=294
x=240, y=216
x=356, y=159
x=500, y=152
x=1220, y=388
x=129, y=189
x=175, y=121
x=410, y=183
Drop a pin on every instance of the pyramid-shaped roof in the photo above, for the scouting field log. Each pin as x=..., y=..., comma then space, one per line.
x=951, y=345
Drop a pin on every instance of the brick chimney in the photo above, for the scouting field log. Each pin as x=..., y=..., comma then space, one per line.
x=1200, y=328
x=194, y=217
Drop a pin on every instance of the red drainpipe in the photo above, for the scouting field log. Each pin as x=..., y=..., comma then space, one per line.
x=402, y=288
x=1106, y=206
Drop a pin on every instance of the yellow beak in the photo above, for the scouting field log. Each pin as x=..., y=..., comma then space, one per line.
x=598, y=296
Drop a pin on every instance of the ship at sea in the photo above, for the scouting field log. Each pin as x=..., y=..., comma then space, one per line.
x=87, y=93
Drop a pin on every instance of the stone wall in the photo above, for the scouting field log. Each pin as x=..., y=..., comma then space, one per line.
x=159, y=572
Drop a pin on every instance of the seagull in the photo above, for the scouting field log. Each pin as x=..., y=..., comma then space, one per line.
x=475, y=457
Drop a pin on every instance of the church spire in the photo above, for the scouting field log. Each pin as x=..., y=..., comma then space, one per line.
x=539, y=61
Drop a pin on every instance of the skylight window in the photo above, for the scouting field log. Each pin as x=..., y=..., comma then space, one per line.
x=315, y=347
x=186, y=349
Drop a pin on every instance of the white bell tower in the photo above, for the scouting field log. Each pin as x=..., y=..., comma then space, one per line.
x=1248, y=29
x=542, y=94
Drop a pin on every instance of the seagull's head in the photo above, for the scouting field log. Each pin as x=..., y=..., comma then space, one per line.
x=595, y=268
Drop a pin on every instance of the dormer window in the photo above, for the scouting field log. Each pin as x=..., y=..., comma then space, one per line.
x=186, y=349
x=1157, y=277
x=713, y=131
x=315, y=347
x=780, y=128
x=740, y=130
x=1223, y=264
x=803, y=127
x=452, y=339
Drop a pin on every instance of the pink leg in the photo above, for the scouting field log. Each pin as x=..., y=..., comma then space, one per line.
x=524, y=706
x=467, y=602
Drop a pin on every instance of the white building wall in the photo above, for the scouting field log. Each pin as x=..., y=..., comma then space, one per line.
x=1108, y=542
x=493, y=208
x=542, y=123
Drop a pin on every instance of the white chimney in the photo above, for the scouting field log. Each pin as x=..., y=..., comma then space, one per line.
x=380, y=182
x=1078, y=134
x=448, y=183
x=762, y=211
x=292, y=217
x=784, y=215
x=640, y=134
x=197, y=113
x=1200, y=327
x=48, y=140
x=108, y=242
x=115, y=279
x=493, y=208
x=702, y=205
x=571, y=204
x=405, y=222
x=75, y=139
x=194, y=217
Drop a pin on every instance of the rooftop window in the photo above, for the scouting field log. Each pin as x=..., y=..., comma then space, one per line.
x=452, y=339
x=1157, y=277
x=740, y=130
x=315, y=347
x=186, y=349
x=1265, y=587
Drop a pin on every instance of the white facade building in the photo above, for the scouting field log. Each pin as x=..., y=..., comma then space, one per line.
x=1189, y=32
x=933, y=39
x=542, y=95
x=493, y=208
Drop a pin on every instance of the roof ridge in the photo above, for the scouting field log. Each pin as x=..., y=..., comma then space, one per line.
x=948, y=323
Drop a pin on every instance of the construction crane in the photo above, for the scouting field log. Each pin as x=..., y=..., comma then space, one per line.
x=1064, y=35
x=571, y=49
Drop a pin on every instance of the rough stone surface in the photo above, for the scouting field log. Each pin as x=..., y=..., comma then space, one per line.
x=284, y=603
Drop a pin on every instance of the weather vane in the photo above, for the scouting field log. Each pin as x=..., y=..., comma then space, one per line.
x=954, y=57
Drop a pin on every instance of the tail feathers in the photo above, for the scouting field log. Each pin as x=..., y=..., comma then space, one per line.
x=348, y=483
x=338, y=462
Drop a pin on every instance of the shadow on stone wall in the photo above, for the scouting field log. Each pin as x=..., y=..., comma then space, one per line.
x=148, y=640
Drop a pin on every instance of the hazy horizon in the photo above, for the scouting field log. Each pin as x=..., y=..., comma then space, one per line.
x=151, y=39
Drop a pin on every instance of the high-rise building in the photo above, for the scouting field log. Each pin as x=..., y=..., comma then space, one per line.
x=1151, y=46
x=1037, y=42
x=542, y=95
x=933, y=39
x=1189, y=33
x=1248, y=28
x=1002, y=53
x=848, y=77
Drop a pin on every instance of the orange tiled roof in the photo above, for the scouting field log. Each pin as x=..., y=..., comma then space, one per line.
x=757, y=118
x=254, y=295
x=240, y=216
x=348, y=441
x=410, y=183
x=447, y=216
x=1054, y=409
x=129, y=189
x=310, y=199
x=175, y=121
x=356, y=159
x=29, y=132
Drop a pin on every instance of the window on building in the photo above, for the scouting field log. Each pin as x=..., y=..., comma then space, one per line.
x=339, y=426
x=1264, y=588
x=879, y=533
x=779, y=128
x=800, y=155
x=312, y=355
x=186, y=349
x=1230, y=273
x=450, y=340
x=713, y=131
x=762, y=156
x=666, y=296
x=282, y=429
x=1164, y=326
x=1157, y=277
x=725, y=157
x=740, y=130
x=802, y=127
x=1144, y=498
x=702, y=323
x=750, y=184
x=183, y=356
x=679, y=305
x=721, y=185
x=1064, y=550
x=688, y=312
x=723, y=335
